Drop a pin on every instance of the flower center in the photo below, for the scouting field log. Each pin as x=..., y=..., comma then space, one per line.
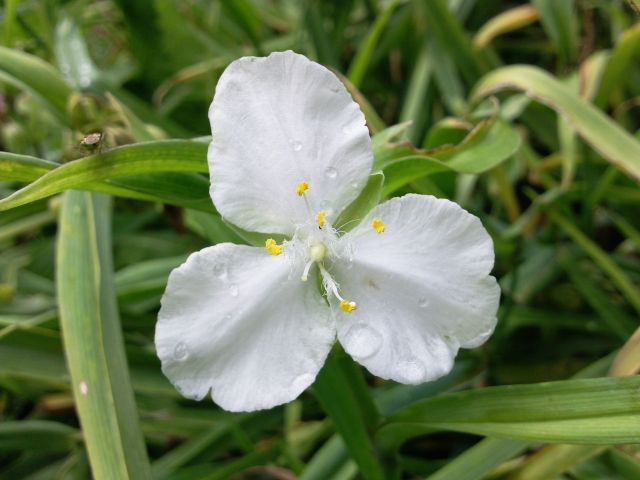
x=318, y=239
x=320, y=236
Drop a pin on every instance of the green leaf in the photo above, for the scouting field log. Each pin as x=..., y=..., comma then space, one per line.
x=329, y=459
x=488, y=145
x=149, y=157
x=476, y=462
x=504, y=22
x=73, y=56
x=36, y=435
x=450, y=35
x=30, y=73
x=585, y=411
x=183, y=189
x=338, y=398
x=558, y=18
x=23, y=168
x=626, y=464
x=93, y=339
x=603, y=134
x=620, y=279
x=359, y=64
x=554, y=460
x=626, y=49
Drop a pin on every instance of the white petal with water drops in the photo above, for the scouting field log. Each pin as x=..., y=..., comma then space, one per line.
x=423, y=285
x=255, y=336
x=277, y=121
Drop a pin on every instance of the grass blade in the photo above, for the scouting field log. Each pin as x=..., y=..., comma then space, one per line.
x=584, y=411
x=336, y=394
x=598, y=130
x=150, y=157
x=93, y=340
x=38, y=77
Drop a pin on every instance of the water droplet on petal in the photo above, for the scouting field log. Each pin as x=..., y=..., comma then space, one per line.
x=346, y=129
x=412, y=371
x=181, y=352
x=295, y=145
x=423, y=302
x=302, y=381
x=362, y=341
x=325, y=205
x=233, y=290
x=331, y=172
x=220, y=270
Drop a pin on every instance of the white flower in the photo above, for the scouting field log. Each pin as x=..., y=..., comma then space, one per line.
x=403, y=290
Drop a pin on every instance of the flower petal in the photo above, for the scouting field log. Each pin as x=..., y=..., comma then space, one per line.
x=235, y=321
x=278, y=121
x=422, y=286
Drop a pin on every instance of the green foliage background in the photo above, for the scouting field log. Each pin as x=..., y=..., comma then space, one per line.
x=524, y=113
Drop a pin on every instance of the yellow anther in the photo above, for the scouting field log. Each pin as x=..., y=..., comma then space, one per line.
x=377, y=225
x=320, y=218
x=272, y=247
x=347, y=306
x=301, y=188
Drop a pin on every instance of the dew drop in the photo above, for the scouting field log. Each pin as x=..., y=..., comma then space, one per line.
x=233, y=290
x=220, y=270
x=412, y=371
x=346, y=129
x=301, y=382
x=181, y=352
x=295, y=145
x=83, y=387
x=331, y=172
x=423, y=302
x=325, y=205
x=362, y=341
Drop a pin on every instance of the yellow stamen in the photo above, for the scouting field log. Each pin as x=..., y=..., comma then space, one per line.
x=320, y=218
x=301, y=188
x=272, y=247
x=347, y=306
x=377, y=225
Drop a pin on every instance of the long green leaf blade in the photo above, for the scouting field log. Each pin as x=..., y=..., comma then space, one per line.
x=585, y=411
x=93, y=340
x=37, y=76
x=150, y=157
x=598, y=130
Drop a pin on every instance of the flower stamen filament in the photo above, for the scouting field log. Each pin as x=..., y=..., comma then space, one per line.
x=330, y=285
